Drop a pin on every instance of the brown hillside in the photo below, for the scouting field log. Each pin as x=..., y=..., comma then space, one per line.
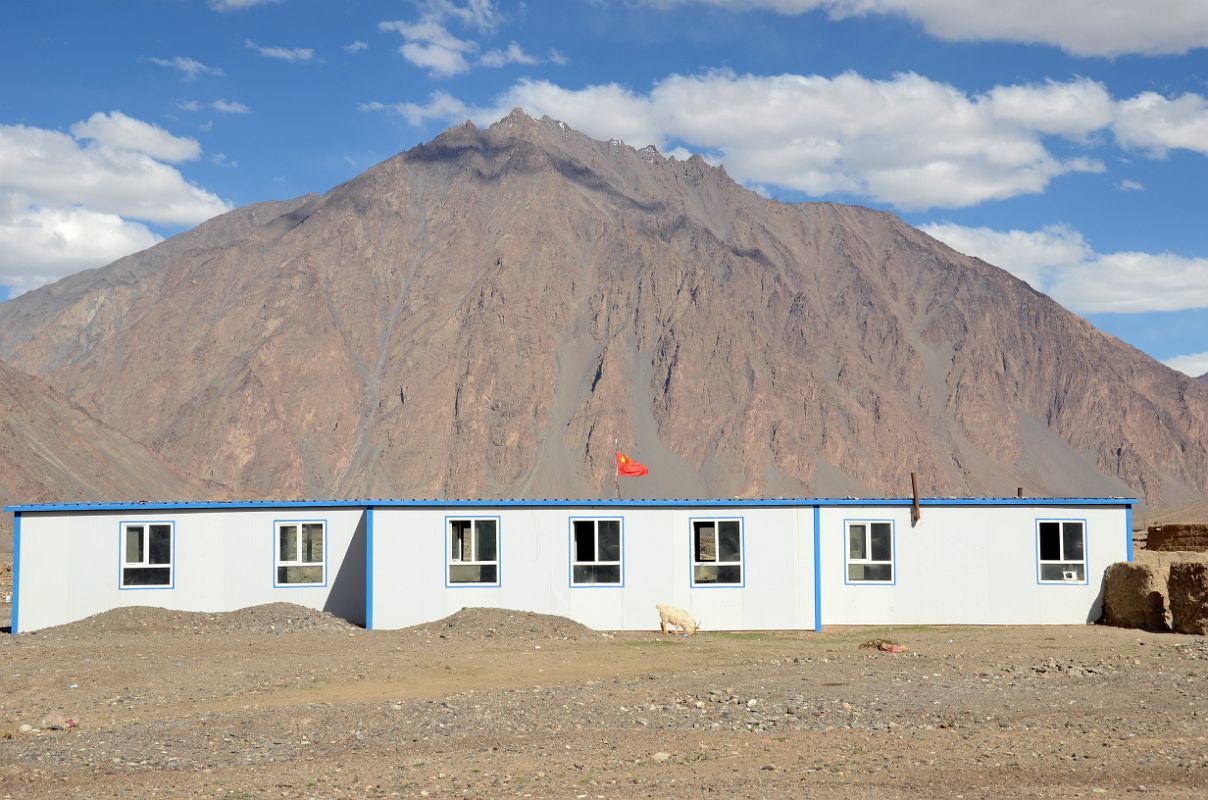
x=52, y=450
x=493, y=312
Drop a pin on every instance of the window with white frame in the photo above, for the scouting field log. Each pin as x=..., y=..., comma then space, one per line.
x=146, y=554
x=716, y=551
x=300, y=553
x=473, y=551
x=870, y=552
x=596, y=552
x=1062, y=549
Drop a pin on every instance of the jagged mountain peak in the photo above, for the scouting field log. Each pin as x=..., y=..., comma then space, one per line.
x=495, y=311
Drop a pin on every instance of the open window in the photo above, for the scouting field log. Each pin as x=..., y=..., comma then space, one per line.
x=301, y=551
x=716, y=552
x=870, y=551
x=146, y=555
x=473, y=552
x=595, y=552
x=1061, y=546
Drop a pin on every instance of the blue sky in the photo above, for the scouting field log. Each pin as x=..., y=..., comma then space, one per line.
x=1064, y=140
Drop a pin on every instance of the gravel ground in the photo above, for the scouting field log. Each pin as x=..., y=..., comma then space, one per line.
x=280, y=701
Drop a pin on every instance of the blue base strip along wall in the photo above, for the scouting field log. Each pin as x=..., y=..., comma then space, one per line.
x=817, y=569
x=16, y=571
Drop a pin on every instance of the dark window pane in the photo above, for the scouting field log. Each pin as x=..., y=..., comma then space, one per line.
x=1072, y=537
x=459, y=547
x=146, y=576
x=312, y=543
x=295, y=575
x=487, y=543
x=704, y=541
x=729, y=541
x=597, y=574
x=856, y=545
x=134, y=544
x=160, y=547
x=472, y=573
x=731, y=573
x=610, y=540
x=717, y=573
x=882, y=541
x=585, y=540
x=288, y=543
x=870, y=572
x=1050, y=541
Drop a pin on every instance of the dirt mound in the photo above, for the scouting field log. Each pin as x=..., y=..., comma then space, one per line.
x=1189, y=598
x=487, y=623
x=271, y=618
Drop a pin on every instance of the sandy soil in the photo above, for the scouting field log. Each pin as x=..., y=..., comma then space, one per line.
x=282, y=702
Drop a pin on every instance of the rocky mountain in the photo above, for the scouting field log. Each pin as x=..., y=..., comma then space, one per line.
x=494, y=312
x=51, y=449
x=1203, y=378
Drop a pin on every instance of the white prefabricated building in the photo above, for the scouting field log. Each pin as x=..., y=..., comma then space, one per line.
x=751, y=564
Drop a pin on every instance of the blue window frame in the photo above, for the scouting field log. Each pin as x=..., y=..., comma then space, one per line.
x=299, y=552
x=597, y=551
x=718, y=551
x=147, y=548
x=869, y=550
x=472, y=551
x=1061, y=551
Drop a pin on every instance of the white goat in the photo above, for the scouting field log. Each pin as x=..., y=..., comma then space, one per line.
x=672, y=617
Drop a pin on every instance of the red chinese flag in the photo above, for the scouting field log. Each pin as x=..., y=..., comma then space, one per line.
x=628, y=468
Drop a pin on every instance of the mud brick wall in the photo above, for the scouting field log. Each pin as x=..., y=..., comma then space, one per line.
x=1178, y=537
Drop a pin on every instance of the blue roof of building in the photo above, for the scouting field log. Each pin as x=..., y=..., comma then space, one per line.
x=184, y=505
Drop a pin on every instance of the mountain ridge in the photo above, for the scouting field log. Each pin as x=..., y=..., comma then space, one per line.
x=494, y=312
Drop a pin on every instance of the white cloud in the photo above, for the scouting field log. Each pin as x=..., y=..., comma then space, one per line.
x=74, y=200
x=1081, y=27
x=441, y=106
x=1128, y=185
x=188, y=67
x=188, y=105
x=1058, y=261
x=238, y=5
x=290, y=54
x=40, y=245
x=356, y=47
x=1194, y=364
x=432, y=47
x=479, y=14
x=1074, y=109
x=120, y=132
x=514, y=54
x=908, y=140
x=556, y=57
x=1155, y=124
x=230, y=107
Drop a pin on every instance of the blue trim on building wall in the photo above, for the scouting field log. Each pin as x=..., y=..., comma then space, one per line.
x=893, y=555
x=786, y=502
x=1086, y=551
x=16, y=609
x=121, y=554
x=817, y=569
x=277, y=552
x=570, y=554
x=369, y=568
x=742, y=548
x=1128, y=539
x=498, y=582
